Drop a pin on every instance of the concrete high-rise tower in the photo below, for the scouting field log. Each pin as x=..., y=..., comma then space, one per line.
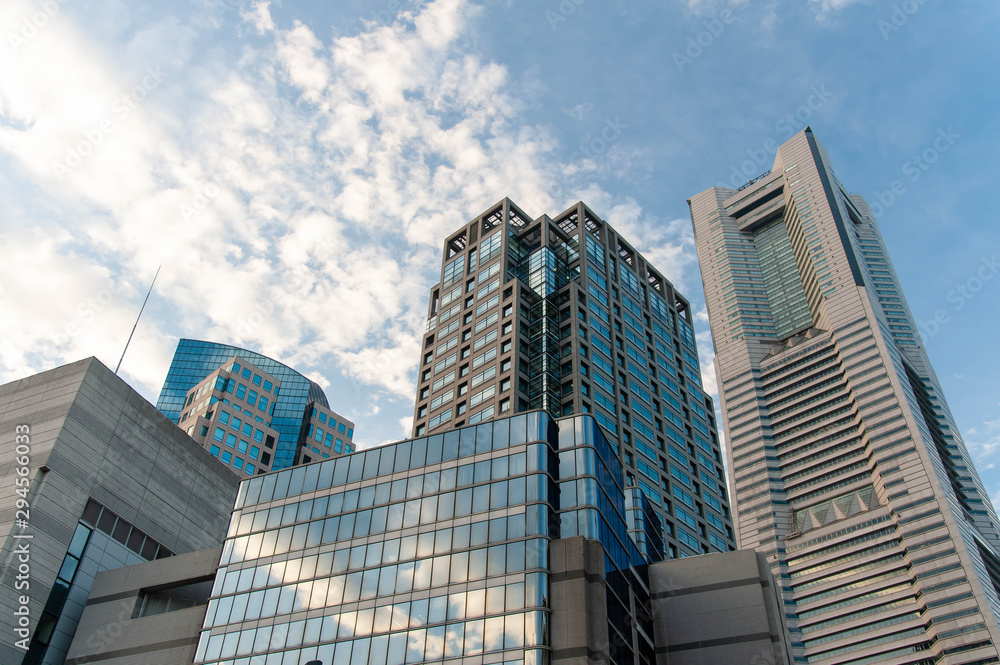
x=846, y=465
x=563, y=314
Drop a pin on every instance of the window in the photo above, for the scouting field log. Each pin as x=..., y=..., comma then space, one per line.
x=227, y=457
x=238, y=463
x=340, y=427
x=241, y=391
x=220, y=434
x=231, y=440
x=256, y=379
x=258, y=436
x=254, y=452
x=250, y=468
x=267, y=386
x=214, y=450
x=223, y=417
x=246, y=373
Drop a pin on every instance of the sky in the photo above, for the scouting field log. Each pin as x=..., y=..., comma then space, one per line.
x=294, y=167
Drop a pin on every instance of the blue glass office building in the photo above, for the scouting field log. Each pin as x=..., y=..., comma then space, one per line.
x=195, y=359
x=447, y=548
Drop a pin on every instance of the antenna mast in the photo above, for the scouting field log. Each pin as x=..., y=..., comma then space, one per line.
x=137, y=318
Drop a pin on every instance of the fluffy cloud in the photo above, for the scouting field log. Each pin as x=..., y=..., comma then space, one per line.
x=296, y=191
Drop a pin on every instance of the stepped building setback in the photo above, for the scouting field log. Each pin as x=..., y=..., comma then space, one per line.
x=847, y=469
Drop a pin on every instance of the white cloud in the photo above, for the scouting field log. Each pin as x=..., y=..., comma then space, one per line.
x=296, y=194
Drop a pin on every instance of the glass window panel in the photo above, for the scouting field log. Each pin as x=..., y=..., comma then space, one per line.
x=346, y=621
x=497, y=561
x=442, y=541
x=296, y=630
x=467, y=442
x=495, y=599
x=513, y=631
x=312, y=632
x=229, y=643
x=262, y=638
x=317, y=598
x=378, y=651
x=441, y=571
x=269, y=607
x=383, y=619
x=357, y=467
x=463, y=502
x=400, y=616
x=456, y=606
x=398, y=490
x=480, y=499
x=402, y=456
x=498, y=495
x=362, y=523
x=352, y=587
x=454, y=640
x=460, y=536
x=418, y=613
x=330, y=626
x=493, y=634
x=475, y=603
x=387, y=581
x=480, y=533
x=371, y=463
x=418, y=453
x=407, y=548
x=390, y=551
x=518, y=464
x=351, y=500
x=459, y=567
x=404, y=577
x=451, y=445
x=387, y=460
x=446, y=506
x=335, y=592
x=303, y=592
x=434, y=448
x=474, y=637
x=428, y=510
x=477, y=564
x=342, y=653
x=434, y=647
x=359, y=654
x=415, y=641
x=369, y=583
x=422, y=574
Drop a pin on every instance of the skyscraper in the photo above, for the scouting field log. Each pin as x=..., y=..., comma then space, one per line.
x=299, y=410
x=565, y=315
x=846, y=466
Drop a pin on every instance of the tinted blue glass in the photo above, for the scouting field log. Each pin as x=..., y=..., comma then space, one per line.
x=194, y=360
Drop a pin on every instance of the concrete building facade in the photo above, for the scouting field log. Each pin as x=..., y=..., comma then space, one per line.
x=563, y=314
x=846, y=466
x=96, y=478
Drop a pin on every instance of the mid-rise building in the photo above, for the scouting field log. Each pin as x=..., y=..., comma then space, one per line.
x=563, y=314
x=846, y=466
x=296, y=412
x=95, y=478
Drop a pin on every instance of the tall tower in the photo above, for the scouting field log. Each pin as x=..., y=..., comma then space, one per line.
x=846, y=465
x=565, y=315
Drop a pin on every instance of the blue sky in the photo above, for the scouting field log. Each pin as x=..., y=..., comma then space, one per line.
x=295, y=166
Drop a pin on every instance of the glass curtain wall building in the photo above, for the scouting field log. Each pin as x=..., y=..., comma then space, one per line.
x=565, y=315
x=436, y=549
x=292, y=410
x=847, y=468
